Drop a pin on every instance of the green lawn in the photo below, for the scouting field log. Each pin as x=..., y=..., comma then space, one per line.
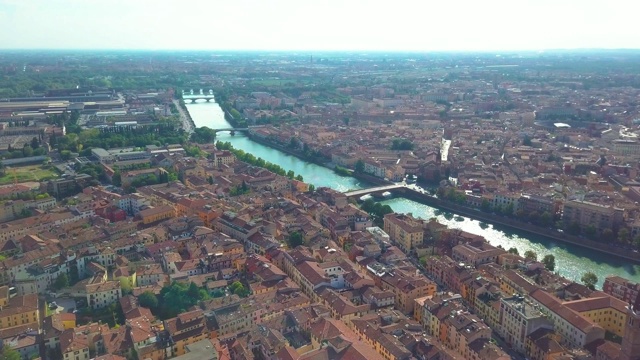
x=28, y=173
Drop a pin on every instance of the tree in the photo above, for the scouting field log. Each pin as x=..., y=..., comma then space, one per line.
x=27, y=151
x=35, y=143
x=530, y=255
x=125, y=285
x=607, y=235
x=148, y=299
x=203, y=135
x=623, y=235
x=359, y=166
x=590, y=231
x=9, y=353
x=549, y=262
x=589, y=279
x=485, y=205
x=295, y=239
x=62, y=281
x=513, y=250
x=65, y=154
x=238, y=289
x=312, y=188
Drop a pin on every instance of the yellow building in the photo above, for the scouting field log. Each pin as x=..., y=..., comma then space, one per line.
x=68, y=320
x=18, y=311
x=187, y=328
x=606, y=311
x=404, y=230
x=155, y=214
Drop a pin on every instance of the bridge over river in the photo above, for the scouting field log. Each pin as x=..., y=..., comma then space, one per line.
x=374, y=190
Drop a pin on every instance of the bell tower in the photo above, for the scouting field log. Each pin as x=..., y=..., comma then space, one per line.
x=631, y=337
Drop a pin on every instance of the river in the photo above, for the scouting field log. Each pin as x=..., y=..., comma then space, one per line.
x=571, y=261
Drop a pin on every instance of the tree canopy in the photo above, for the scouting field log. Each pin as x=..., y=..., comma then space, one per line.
x=549, y=262
x=295, y=239
x=203, y=135
x=148, y=299
x=178, y=297
x=530, y=255
x=589, y=279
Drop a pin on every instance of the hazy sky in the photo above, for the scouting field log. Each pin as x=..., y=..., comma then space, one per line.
x=319, y=25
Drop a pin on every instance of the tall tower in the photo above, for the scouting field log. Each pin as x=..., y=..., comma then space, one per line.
x=631, y=336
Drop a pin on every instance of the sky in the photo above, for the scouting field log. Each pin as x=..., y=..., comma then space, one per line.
x=374, y=25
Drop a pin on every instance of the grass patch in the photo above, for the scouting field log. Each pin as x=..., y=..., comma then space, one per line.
x=28, y=173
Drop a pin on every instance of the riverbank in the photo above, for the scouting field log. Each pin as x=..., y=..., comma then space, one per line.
x=571, y=260
x=185, y=118
x=289, y=151
x=517, y=225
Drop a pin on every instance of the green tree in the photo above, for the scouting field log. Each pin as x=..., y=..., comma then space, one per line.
x=530, y=255
x=513, y=250
x=125, y=285
x=623, y=235
x=65, y=154
x=574, y=228
x=203, y=135
x=295, y=239
x=27, y=151
x=589, y=279
x=590, y=231
x=9, y=353
x=291, y=174
x=148, y=299
x=61, y=282
x=607, y=235
x=549, y=262
x=485, y=205
x=359, y=166
x=35, y=143
x=312, y=188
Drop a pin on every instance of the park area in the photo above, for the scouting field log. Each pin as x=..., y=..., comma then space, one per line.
x=27, y=173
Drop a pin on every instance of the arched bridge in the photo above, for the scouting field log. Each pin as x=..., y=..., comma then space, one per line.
x=231, y=130
x=193, y=98
x=373, y=190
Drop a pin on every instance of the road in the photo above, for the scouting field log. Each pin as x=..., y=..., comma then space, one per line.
x=187, y=125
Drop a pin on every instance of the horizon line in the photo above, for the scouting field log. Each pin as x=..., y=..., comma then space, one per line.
x=394, y=51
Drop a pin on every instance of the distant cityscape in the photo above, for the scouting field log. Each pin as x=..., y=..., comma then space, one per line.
x=319, y=205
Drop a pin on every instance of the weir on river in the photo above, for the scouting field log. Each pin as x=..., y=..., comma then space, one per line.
x=571, y=261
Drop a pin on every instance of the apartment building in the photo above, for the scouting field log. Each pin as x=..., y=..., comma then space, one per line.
x=155, y=214
x=18, y=311
x=184, y=329
x=519, y=319
x=103, y=294
x=622, y=289
x=606, y=311
x=405, y=230
x=406, y=288
x=576, y=329
x=586, y=214
x=476, y=255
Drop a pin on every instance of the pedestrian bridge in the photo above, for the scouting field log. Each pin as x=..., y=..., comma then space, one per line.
x=374, y=190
